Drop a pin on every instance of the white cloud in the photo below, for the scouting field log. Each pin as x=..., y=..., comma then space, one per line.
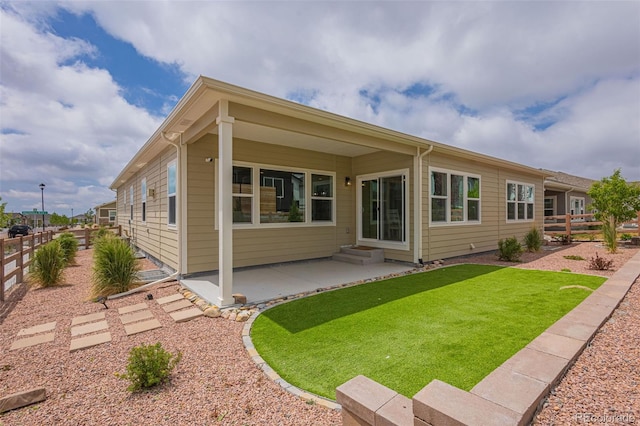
x=66, y=119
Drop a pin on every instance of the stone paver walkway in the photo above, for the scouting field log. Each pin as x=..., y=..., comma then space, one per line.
x=89, y=330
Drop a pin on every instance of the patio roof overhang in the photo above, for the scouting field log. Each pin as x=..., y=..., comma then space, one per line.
x=266, y=119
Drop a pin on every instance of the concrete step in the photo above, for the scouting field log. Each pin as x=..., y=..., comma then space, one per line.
x=360, y=255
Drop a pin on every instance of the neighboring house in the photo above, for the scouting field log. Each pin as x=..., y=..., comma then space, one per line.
x=564, y=193
x=236, y=178
x=106, y=214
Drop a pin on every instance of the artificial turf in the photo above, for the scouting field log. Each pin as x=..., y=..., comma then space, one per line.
x=455, y=324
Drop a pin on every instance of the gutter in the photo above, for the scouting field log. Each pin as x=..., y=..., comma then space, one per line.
x=417, y=204
x=179, y=196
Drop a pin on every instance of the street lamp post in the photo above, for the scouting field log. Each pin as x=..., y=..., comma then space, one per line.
x=42, y=190
x=72, y=217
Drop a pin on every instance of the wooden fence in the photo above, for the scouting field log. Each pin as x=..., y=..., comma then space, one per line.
x=17, y=253
x=581, y=224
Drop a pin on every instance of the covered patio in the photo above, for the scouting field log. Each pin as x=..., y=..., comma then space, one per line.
x=264, y=283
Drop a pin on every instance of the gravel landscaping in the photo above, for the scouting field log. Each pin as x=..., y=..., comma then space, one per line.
x=217, y=383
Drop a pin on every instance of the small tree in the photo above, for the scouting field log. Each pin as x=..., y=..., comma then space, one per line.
x=4, y=217
x=615, y=201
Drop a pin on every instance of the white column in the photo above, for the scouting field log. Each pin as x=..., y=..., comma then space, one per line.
x=225, y=205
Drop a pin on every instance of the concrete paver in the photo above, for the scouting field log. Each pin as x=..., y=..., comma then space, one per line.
x=175, y=306
x=89, y=328
x=87, y=318
x=186, y=315
x=132, y=308
x=37, y=329
x=139, y=327
x=33, y=340
x=136, y=316
x=169, y=299
x=89, y=341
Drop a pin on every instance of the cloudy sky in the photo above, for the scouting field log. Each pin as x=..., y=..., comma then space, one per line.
x=83, y=85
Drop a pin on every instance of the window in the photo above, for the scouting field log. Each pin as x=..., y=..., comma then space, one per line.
x=321, y=198
x=282, y=196
x=550, y=206
x=171, y=193
x=242, y=194
x=143, y=197
x=112, y=216
x=131, y=202
x=270, y=196
x=520, y=201
x=576, y=206
x=455, y=197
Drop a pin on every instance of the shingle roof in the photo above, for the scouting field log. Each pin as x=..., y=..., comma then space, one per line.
x=567, y=179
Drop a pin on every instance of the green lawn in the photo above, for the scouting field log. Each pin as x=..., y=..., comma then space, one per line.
x=456, y=324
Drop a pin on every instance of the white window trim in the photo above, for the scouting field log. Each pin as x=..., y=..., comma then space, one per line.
x=506, y=200
x=175, y=194
x=395, y=245
x=584, y=208
x=555, y=206
x=131, y=200
x=143, y=200
x=255, y=205
x=448, y=222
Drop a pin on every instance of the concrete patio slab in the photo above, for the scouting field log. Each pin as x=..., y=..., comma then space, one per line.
x=186, y=315
x=87, y=318
x=275, y=281
x=512, y=390
x=136, y=316
x=176, y=306
x=169, y=299
x=32, y=341
x=139, y=327
x=89, y=328
x=132, y=308
x=37, y=329
x=89, y=341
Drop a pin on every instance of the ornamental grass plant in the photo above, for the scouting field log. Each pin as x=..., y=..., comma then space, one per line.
x=115, y=266
x=69, y=245
x=48, y=265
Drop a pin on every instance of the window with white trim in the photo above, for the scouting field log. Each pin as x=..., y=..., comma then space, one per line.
x=283, y=196
x=171, y=193
x=143, y=197
x=131, y=202
x=242, y=194
x=454, y=197
x=550, y=205
x=520, y=201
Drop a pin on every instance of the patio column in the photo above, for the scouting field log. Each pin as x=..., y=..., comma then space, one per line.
x=225, y=204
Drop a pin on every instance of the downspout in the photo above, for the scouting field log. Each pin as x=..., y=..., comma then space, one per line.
x=417, y=205
x=179, y=226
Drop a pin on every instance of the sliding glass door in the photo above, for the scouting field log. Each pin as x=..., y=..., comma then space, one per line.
x=382, y=208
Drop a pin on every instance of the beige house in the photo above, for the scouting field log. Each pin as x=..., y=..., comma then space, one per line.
x=236, y=178
x=106, y=214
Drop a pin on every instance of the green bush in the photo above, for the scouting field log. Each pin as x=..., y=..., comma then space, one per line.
x=48, y=264
x=533, y=240
x=114, y=266
x=509, y=249
x=69, y=245
x=626, y=237
x=149, y=365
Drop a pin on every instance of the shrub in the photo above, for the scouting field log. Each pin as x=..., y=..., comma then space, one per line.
x=533, y=240
x=573, y=257
x=600, y=263
x=115, y=266
x=48, y=264
x=149, y=365
x=69, y=245
x=626, y=237
x=509, y=249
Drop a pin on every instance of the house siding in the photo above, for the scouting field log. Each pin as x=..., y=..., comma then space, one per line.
x=445, y=241
x=258, y=246
x=153, y=236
